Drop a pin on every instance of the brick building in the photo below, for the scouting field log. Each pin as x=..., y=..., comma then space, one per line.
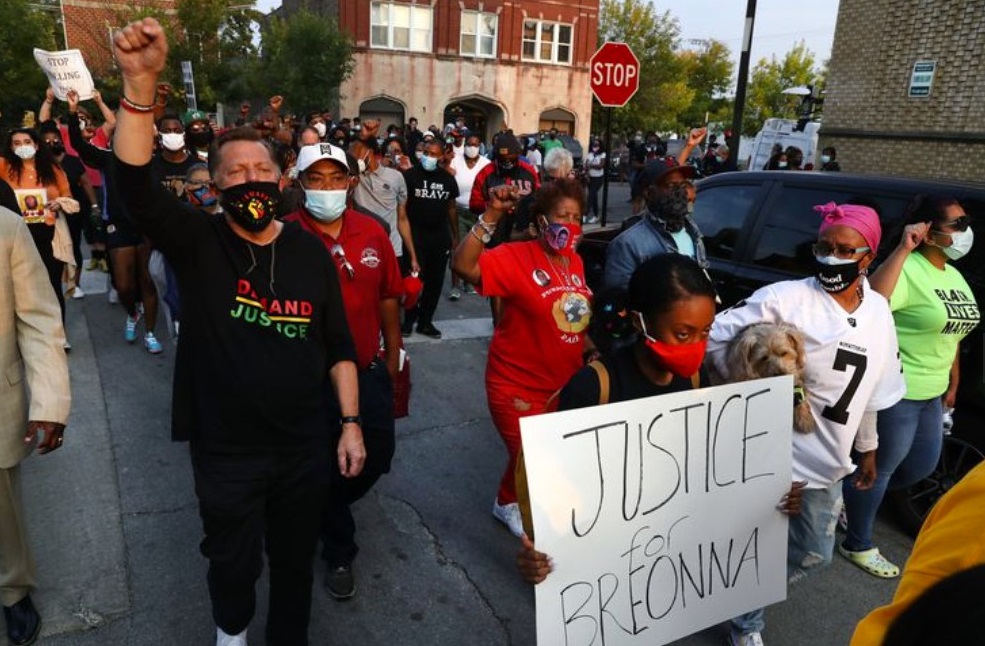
x=89, y=25
x=879, y=112
x=522, y=63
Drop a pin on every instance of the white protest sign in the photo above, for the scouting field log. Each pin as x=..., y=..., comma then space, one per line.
x=66, y=70
x=660, y=513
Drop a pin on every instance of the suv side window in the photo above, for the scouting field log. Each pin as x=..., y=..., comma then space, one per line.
x=791, y=228
x=721, y=213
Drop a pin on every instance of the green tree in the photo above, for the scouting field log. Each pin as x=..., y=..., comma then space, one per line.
x=765, y=98
x=708, y=69
x=217, y=36
x=21, y=77
x=654, y=37
x=305, y=58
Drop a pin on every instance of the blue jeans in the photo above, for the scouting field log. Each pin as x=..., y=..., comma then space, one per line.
x=810, y=544
x=910, y=435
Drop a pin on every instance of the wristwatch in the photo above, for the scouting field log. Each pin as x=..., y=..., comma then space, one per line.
x=484, y=237
x=351, y=419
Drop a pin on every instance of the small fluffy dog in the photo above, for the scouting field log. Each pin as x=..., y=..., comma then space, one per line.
x=770, y=350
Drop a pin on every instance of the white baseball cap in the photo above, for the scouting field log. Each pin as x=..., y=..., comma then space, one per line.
x=316, y=152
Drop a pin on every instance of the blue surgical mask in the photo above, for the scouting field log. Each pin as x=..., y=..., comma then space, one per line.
x=325, y=206
x=429, y=163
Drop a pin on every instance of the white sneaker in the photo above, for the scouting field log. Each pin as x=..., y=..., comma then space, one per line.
x=222, y=639
x=745, y=639
x=510, y=516
x=77, y=293
x=112, y=296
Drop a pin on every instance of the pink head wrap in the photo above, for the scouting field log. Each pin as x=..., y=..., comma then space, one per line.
x=861, y=218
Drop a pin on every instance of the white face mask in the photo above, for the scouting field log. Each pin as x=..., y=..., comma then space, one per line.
x=26, y=151
x=471, y=152
x=321, y=129
x=825, y=159
x=781, y=164
x=961, y=242
x=173, y=141
x=325, y=206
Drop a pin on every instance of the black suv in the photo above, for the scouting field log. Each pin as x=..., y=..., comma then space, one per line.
x=758, y=229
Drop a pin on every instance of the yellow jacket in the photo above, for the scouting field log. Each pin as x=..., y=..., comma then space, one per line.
x=951, y=539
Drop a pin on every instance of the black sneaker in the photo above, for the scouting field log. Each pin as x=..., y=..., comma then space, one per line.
x=23, y=622
x=406, y=329
x=429, y=330
x=340, y=583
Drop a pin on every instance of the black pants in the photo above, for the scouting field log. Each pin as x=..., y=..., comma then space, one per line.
x=75, y=222
x=433, y=248
x=376, y=408
x=43, y=236
x=256, y=502
x=594, y=184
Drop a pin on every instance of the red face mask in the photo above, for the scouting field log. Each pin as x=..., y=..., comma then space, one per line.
x=562, y=238
x=681, y=360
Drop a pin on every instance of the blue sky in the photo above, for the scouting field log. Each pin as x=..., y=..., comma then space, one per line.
x=779, y=23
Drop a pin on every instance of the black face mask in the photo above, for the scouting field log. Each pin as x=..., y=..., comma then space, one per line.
x=251, y=205
x=57, y=149
x=835, y=279
x=199, y=139
x=506, y=166
x=670, y=208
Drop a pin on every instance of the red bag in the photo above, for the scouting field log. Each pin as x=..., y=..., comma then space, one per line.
x=401, y=388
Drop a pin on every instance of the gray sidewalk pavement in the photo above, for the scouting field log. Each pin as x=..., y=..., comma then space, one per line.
x=115, y=525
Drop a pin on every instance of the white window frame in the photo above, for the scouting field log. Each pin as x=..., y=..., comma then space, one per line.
x=472, y=20
x=413, y=10
x=555, y=45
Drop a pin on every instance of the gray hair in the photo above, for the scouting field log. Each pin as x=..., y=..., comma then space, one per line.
x=558, y=162
x=194, y=168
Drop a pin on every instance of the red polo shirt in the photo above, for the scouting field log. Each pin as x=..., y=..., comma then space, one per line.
x=372, y=275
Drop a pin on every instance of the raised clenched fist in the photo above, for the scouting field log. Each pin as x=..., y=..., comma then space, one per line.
x=141, y=49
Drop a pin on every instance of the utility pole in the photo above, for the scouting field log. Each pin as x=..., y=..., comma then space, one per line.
x=743, y=79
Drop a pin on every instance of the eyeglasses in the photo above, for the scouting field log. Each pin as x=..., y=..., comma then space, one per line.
x=957, y=224
x=676, y=185
x=339, y=254
x=823, y=249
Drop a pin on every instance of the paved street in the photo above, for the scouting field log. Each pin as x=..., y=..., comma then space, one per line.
x=116, y=529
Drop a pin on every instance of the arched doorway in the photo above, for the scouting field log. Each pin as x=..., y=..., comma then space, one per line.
x=482, y=116
x=388, y=111
x=558, y=118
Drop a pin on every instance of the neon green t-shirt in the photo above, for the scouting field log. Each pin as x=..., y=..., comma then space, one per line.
x=933, y=310
x=549, y=144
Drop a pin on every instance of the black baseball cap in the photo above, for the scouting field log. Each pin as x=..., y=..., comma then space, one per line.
x=656, y=169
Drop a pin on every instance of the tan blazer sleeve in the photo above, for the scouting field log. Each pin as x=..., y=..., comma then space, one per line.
x=39, y=332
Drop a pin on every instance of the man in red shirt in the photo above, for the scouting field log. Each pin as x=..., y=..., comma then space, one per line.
x=507, y=168
x=371, y=286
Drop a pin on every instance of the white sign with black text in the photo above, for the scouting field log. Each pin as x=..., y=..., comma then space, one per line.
x=922, y=79
x=660, y=514
x=66, y=70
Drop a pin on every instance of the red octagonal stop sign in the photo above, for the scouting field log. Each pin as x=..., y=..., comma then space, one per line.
x=615, y=74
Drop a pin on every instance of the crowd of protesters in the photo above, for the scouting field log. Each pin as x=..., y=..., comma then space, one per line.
x=293, y=256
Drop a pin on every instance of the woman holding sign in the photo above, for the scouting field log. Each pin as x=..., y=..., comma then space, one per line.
x=851, y=372
x=540, y=340
x=31, y=171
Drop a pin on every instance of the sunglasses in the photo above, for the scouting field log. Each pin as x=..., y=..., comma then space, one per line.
x=957, y=224
x=339, y=254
